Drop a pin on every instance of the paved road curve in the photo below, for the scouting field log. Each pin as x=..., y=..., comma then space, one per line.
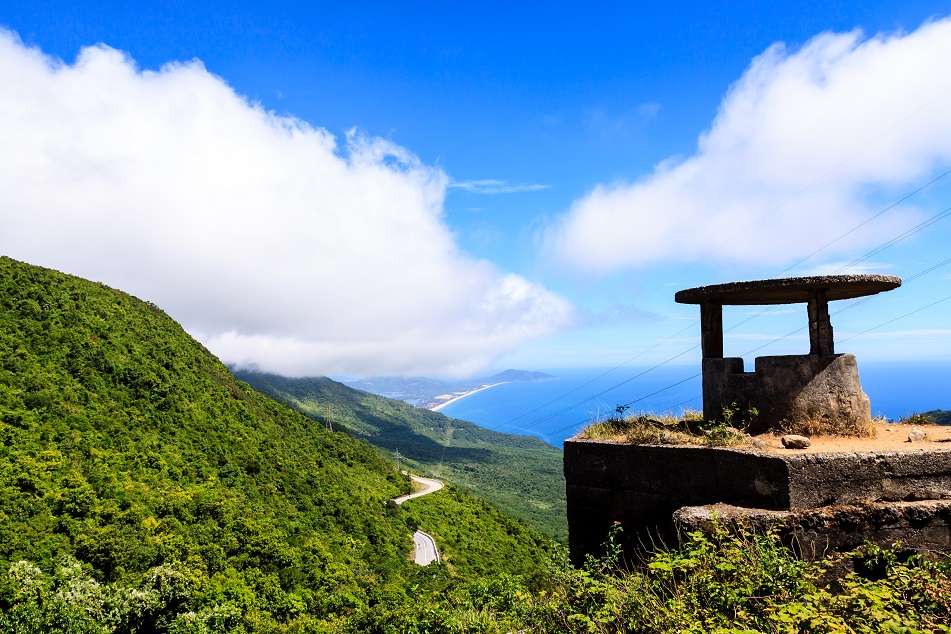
x=424, y=551
x=424, y=546
x=427, y=486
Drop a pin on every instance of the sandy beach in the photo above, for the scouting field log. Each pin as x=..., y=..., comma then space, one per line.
x=462, y=396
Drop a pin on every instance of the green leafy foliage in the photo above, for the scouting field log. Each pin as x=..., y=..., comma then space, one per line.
x=447, y=515
x=521, y=475
x=125, y=445
x=144, y=489
x=130, y=453
x=712, y=583
x=917, y=419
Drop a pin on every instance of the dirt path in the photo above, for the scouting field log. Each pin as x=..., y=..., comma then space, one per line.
x=887, y=437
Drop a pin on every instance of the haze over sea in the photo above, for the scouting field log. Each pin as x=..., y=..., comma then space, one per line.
x=894, y=388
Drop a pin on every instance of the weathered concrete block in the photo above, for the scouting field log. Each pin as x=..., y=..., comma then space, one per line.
x=641, y=486
x=919, y=526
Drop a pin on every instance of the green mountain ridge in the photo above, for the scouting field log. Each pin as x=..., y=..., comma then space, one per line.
x=144, y=489
x=939, y=416
x=422, y=388
x=522, y=475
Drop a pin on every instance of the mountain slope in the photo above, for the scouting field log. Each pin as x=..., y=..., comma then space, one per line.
x=940, y=416
x=143, y=488
x=421, y=389
x=522, y=475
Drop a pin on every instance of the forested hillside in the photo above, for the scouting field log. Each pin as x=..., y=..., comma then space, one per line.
x=940, y=416
x=520, y=474
x=144, y=489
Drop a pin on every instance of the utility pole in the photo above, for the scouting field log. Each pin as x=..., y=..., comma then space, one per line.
x=330, y=419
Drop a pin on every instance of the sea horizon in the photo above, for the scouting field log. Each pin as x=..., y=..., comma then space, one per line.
x=556, y=409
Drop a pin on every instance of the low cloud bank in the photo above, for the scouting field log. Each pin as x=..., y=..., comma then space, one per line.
x=273, y=244
x=819, y=137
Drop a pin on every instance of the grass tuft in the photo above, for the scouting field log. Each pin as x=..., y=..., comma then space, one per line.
x=652, y=429
x=827, y=426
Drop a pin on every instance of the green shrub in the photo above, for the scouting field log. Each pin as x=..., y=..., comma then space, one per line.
x=917, y=418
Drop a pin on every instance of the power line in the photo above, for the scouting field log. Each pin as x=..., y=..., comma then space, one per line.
x=744, y=230
x=805, y=188
x=914, y=230
x=603, y=392
x=622, y=383
x=602, y=375
x=865, y=222
x=789, y=334
x=891, y=321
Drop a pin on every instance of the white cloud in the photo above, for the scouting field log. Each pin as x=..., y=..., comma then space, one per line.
x=819, y=136
x=614, y=125
x=649, y=110
x=262, y=236
x=492, y=186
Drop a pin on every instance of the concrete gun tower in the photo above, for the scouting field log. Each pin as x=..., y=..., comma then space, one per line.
x=833, y=494
x=820, y=385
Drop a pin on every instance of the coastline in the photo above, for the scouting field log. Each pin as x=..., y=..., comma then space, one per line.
x=462, y=396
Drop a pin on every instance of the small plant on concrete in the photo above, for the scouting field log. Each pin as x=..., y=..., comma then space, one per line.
x=617, y=418
x=729, y=411
x=735, y=417
x=723, y=435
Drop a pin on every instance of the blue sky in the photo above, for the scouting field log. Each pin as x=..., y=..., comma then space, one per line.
x=433, y=189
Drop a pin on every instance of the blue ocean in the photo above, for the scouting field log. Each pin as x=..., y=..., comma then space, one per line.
x=557, y=408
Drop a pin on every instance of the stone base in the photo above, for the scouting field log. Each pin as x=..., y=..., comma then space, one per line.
x=641, y=486
x=908, y=526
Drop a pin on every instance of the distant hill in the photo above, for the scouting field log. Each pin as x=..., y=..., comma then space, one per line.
x=422, y=391
x=417, y=387
x=940, y=416
x=522, y=475
x=144, y=489
x=513, y=376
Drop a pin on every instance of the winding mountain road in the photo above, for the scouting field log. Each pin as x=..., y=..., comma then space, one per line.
x=427, y=486
x=424, y=549
x=424, y=546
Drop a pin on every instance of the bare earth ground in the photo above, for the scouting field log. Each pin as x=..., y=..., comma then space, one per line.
x=888, y=437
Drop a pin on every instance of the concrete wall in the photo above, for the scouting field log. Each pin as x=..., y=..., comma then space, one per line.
x=907, y=526
x=787, y=388
x=641, y=486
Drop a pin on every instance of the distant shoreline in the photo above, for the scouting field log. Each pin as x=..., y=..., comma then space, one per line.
x=462, y=396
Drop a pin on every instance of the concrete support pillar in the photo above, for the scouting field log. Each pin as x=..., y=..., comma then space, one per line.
x=711, y=329
x=820, y=326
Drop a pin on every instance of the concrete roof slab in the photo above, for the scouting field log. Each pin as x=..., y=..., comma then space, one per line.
x=788, y=290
